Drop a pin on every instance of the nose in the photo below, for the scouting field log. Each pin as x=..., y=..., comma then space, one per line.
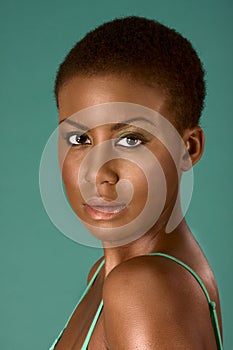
x=106, y=174
x=100, y=167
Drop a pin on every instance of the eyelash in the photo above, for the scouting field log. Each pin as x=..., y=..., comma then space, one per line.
x=133, y=136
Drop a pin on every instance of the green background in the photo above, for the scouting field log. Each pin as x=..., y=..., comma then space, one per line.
x=42, y=271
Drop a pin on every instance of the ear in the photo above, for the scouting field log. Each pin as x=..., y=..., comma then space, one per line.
x=194, y=141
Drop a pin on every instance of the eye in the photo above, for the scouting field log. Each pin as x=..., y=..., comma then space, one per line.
x=130, y=141
x=78, y=139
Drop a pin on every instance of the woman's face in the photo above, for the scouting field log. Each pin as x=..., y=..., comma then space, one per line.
x=104, y=208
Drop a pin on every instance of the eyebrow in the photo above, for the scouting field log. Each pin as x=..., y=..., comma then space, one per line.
x=115, y=127
x=118, y=126
x=73, y=123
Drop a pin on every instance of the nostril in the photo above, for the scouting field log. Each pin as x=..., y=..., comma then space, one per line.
x=110, y=181
x=104, y=175
x=107, y=175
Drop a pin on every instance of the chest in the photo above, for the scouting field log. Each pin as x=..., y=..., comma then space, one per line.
x=86, y=323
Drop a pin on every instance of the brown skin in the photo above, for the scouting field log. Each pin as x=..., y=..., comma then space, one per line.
x=149, y=302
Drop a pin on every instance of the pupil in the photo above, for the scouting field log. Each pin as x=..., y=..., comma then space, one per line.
x=131, y=141
x=80, y=138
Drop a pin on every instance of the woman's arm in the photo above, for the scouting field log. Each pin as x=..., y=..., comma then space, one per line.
x=153, y=304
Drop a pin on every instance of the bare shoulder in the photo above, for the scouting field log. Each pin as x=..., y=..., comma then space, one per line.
x=158, y=305
x=94, y=268
x=159, y=272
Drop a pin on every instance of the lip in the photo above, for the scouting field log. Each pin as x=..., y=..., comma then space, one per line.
x=101, y=209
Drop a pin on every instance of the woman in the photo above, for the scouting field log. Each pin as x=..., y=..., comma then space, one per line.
x=120, y=93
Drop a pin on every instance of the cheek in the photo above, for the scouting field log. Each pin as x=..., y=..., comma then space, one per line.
x=166, y=161
x=69, y=159
x=69, y=170
x=138, y=179
x=170, y=173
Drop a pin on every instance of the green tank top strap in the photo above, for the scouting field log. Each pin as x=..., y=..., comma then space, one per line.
x=80, y=299
x=212, y=305
x=92, y=327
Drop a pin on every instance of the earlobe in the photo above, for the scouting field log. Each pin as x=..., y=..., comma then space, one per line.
x=194, y=141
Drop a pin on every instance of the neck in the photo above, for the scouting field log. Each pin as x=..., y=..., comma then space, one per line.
x=155, y=240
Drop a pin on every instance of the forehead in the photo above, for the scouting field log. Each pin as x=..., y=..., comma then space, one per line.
x=83, y=92
x=115, y=115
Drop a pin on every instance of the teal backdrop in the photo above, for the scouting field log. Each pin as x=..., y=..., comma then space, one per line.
x=42, y=271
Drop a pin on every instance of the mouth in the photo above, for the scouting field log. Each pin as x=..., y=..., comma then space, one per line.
x=100, y=209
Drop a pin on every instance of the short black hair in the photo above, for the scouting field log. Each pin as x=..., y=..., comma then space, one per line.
x=146, y=51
